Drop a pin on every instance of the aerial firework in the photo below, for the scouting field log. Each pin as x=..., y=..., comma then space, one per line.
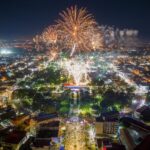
x=49, y=36
x=37, y=41
x=76, y=30
x=50, y=40
x=82, y=67
x=95, y=38
x=77, y=69
x=75, y=25
x=116, y=38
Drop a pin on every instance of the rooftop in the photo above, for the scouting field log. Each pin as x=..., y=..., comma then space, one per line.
x=46, y=133
x=15, y=137
x=41, y=143
x=143, y=108
x=145, y=144
x=50, y=124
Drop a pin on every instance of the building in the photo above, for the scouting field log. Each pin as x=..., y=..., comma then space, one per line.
x=126, y=139
x=106, y=125
x=7, y=113
x=144, y=145
x=14, y=140
x=20, y=119
x=143, y=113
x=46, y=136
x=107, y=144
x=133, y=133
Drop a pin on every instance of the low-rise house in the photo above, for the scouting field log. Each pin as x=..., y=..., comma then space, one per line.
x=7, y=113
x=14, y=140
x=143, y=113
x=20, y=119
x=47, y=134
x=107, y=144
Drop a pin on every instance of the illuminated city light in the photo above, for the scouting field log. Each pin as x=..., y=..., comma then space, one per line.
x=77, y=84
x=5, y=51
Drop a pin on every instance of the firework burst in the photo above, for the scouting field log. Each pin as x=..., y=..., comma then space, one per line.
x=75, y=26
x=37, y=41
x=76, y=31
x=77, y=69
x=50, y=34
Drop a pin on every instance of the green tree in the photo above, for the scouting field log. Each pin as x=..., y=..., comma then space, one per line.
x=99, y=99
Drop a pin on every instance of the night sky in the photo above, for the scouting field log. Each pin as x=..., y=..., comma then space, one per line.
x=25, y=18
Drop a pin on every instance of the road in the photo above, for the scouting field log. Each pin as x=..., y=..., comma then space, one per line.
x=79, y=134
x=78, y=137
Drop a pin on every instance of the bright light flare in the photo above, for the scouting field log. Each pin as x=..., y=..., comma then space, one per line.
x=5, y=51
x=78, y=70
